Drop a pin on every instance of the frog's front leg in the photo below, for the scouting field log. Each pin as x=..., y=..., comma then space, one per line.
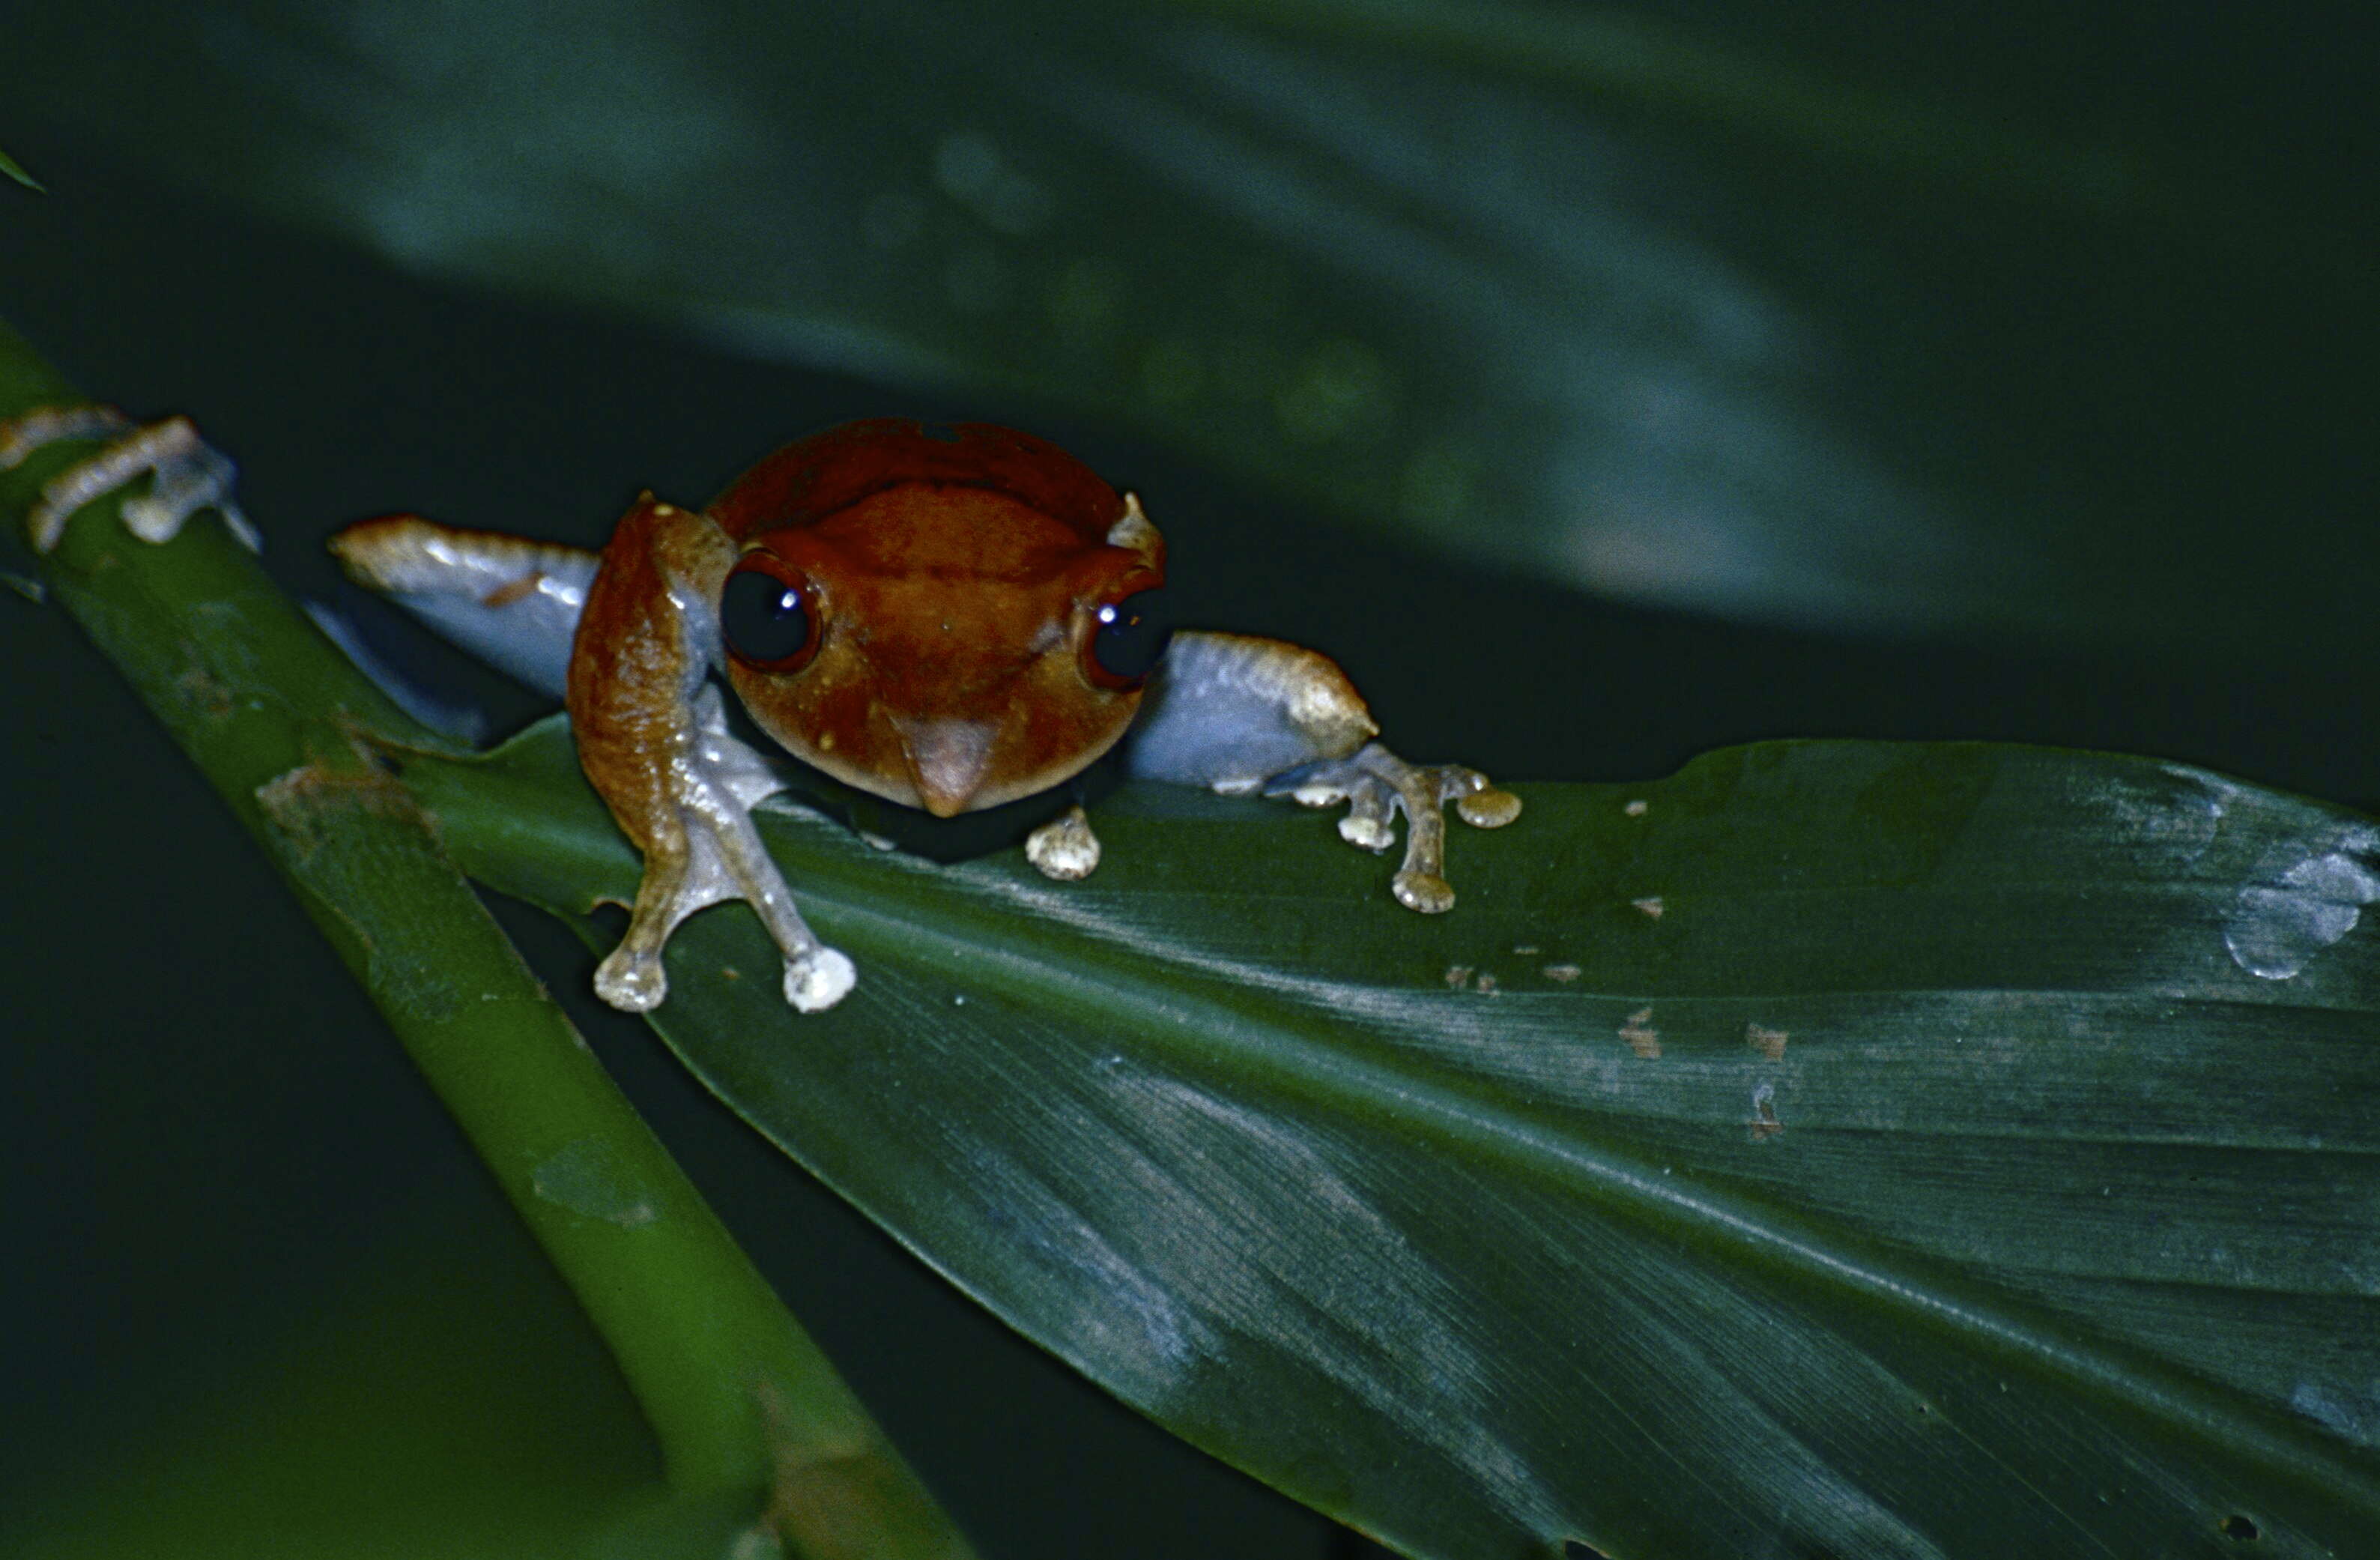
x=653, y=738
x=1240, y=715
x=188, y=473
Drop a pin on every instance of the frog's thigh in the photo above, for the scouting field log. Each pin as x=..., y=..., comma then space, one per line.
x=1238, y=714
x=511, y=601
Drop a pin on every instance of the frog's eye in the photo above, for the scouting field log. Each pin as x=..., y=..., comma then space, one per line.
x=1129, y=636
x=768, y=615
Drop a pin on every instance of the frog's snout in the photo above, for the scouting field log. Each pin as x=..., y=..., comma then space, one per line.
x=948, y=759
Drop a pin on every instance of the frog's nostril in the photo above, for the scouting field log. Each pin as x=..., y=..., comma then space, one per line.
x=948, y=759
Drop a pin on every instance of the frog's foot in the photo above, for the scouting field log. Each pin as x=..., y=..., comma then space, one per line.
x=630, y=979
x=1377, y=784
x=1064, y=847
x=703, y=849
x=189, y=474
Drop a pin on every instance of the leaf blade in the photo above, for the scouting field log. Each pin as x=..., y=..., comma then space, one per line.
x=1484, y=1270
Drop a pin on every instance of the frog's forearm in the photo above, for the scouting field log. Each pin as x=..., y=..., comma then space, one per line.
x=1230, y=712
x=652, y=737
x=1237, y=714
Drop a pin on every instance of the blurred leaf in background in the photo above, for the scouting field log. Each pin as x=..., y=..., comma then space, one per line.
x=1864, y=322
x=13, y=169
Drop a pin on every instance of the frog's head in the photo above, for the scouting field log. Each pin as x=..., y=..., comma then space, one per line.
x=947, y=622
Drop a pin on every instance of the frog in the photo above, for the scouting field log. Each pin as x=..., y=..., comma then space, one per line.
x=948, y=616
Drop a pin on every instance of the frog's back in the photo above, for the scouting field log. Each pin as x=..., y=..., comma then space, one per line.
x=814, y=478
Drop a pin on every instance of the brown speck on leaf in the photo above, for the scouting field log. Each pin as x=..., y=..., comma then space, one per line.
x=203, y=693
x=729, y=972
x=1651, y=905
x=303, y=802
x=1486, y=986
x=1564, y=973
x=1640, y=1034
x=1525, y=950
x=1636, y=809
x=1768, y=1041
x=322, y=820
x=1458, y=977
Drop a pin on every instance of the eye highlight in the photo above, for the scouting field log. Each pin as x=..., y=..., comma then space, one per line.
x=1129, y=637
x=767, y=615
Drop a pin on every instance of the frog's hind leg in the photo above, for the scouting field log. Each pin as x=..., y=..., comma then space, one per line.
x=187, y=473
x=511, y=601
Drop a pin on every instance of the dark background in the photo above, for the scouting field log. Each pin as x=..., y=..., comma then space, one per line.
x=239, y=1226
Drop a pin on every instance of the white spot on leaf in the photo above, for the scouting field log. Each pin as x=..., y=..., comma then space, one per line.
x=2311, y=903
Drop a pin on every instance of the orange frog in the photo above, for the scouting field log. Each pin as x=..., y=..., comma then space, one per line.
x=947, y=617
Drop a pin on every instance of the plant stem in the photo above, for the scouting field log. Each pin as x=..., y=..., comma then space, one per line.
x=739, y=1396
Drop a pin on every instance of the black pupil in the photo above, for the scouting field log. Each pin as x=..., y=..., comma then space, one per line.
x=762, y=616
x=1131, y=637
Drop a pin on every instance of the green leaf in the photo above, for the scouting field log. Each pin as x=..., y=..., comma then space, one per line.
x=1836, y=1147
x=16, y=170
